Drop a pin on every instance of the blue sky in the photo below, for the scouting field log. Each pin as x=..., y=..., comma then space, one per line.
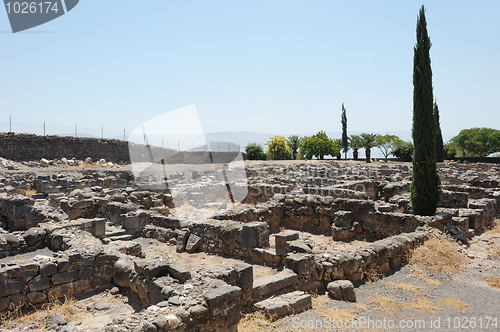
x=281, y=67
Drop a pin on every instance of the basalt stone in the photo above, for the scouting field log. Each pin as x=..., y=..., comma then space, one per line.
x=38, y=283
x=48, y=268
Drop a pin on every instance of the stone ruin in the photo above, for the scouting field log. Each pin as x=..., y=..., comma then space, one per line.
x=83, y=230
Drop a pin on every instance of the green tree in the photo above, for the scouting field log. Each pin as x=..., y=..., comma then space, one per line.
x=425, y=186
x=388, y=143
x=345, y=142
x=338, y=146
x=404, y=152
x=277, y=148
x=356, y=143
x=369, y=141
x=319, y=146
x=294, y=144
x=479, y=141
x=254, y=151
x=439, y=137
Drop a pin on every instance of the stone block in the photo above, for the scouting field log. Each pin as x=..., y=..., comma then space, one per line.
x=48, y=268
x=130, y=222
x=155, y=293
x=60, y=291
x=193, y=243
x=342, y=290
x=250, y=235
x=285, y=304
x=81, y=286
x=267, y=285
x=179, y=272
x=182, y=238
x=245, y=276
x=38, y=283
x=65, y=277
x=221, y=296
x=11, y=287
x=98, y=227
x=36, y=297
x=122, y=272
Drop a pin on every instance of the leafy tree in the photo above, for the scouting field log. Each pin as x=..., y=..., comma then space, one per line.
x=425, y=186
x=294, y=144
x=439, y=136
x=345, y=142
x=356, y=143
x=319, y=146
x=369, y=141
x=404, y=152
x=388, y=143
x=254, y=151
x=277, y=148
x=338, y=146
x=479, y=141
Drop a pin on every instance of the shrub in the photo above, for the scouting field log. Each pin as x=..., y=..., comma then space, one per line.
x=478, y=141
x=254, y=151
x=404, y=152
x=319, y=146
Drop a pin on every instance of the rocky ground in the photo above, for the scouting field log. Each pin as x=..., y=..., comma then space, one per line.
x=409, y=300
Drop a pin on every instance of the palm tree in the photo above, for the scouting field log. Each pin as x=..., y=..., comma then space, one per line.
x=355, y=143
x=294, y=144
x=369, y=141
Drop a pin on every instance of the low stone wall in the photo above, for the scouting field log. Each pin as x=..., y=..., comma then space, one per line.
x=70, y=273
x=367, y=261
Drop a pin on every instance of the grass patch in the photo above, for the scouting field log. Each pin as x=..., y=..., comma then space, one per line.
x=30, y=192
x=385, y=303
x=438, y=254
x=493, y=282
x=424, y=276
x=255, y=322
x=16, y=317
x=422, y=304
x=87, y=166
x=326, y=308
x=409, y=287
x=455, y=304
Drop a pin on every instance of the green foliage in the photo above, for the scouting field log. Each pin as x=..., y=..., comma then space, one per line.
x=369, y=141
x=277, y=148
x=404, y=152
x=388, y=143
x=439, y=136
x=478, y=141
x=254, y=151
x=344, y=141
x=356, y=143
x=294, y=144
x=425, y=186
x=338, y=146
x=318, y=146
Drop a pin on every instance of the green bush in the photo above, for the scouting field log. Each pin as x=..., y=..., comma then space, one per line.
x=254, y=151
x=404, y=152
x=277, y=148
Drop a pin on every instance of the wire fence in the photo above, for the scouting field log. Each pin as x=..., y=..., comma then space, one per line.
x=184, y=143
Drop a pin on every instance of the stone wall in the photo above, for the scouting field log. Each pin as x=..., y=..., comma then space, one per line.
x=23, y=147
x=70, y=273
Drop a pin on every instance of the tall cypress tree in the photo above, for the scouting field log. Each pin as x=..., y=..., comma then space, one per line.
x=439, y=135
x=426, y=185
x=345, y=142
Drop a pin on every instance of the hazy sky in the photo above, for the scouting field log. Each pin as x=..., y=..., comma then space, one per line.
x=267, y=66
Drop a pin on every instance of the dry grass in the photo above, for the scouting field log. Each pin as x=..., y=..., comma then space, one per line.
x=385, y=303
x=255, y=322
x=409, y=287
x=30, y=192
x=87, y=166
x=422, y=304
x=17, y=317
x=424, y=276
x=326, y=308
x=493, y=282
x=455, y=304
x=438, y=255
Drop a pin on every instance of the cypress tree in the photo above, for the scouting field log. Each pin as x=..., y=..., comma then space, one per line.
x=426, y=185
x=345, y=142
x=439, y=135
